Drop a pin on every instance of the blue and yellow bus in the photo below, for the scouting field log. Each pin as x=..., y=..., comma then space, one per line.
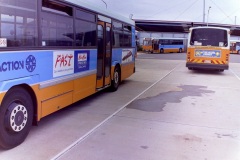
x=147, y=45
x=54, y=53
x=169, y=45
x=235, y=46
x=208, y=48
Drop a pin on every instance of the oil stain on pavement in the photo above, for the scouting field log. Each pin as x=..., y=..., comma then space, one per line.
x=157, y=103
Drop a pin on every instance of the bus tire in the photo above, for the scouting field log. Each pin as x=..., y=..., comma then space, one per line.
x=116, y=79
x=180, y=50
x=238, y=51
x=161, y=50
x=16, y=117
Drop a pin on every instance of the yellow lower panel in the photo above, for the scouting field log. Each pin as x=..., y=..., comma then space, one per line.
x=56, y=103
x=112, y=72
x=53, y=91
x=107, y=80
x=99, y=83
x=38, y=101
x=127, y=71
x=84, y=87
x=147, y=48
x=1, y=96
x=170, y=50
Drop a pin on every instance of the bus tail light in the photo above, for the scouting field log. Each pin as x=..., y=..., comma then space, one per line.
x=227, y=57
x=188, y=56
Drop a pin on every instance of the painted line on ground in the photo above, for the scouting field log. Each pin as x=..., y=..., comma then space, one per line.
x=146, y=58
x=235, y=74
x=59, y=155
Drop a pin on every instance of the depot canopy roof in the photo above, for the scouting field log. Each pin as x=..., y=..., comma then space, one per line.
x=178, y=26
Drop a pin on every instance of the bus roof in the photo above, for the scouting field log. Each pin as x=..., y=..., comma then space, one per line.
x=201, y=27
x=94, y=8
x=234, y=40
x=170, y=38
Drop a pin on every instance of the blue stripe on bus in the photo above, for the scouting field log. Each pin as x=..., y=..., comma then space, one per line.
x=133, y=37
x=33, y=67
x=171, y=46
x=116, y=56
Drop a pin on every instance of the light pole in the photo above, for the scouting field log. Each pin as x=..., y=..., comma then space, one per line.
x=208, y=14
x=130, y=16
x=203, y=11
x=104, y=3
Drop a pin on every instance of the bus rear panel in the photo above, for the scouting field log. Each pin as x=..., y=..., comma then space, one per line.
x=208, y=48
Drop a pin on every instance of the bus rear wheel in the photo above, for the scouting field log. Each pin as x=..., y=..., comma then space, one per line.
x=180, y=50
x=116, y=79
x=16, y=116
x=161, y=50
x=238, y=51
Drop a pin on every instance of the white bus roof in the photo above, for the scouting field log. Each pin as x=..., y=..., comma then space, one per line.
x=209, y=27
x=171, y=38
x=103, y=12
x=234, y=40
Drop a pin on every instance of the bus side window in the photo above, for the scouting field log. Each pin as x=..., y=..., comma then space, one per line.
x=85, y=28
x=85, y=33
x=118, y=34
x=18, y=23
x=57, y=24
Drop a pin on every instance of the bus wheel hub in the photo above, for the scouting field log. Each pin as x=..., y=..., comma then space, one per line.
x=116, y=77
x=18, y=117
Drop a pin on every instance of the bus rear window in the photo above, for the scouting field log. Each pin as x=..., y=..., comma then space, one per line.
x=209, y=37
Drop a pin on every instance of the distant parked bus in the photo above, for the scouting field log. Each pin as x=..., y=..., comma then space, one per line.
x=168, y=45
x=54, y=53
x=147, y=45
x=208, y=48
x=235, y=46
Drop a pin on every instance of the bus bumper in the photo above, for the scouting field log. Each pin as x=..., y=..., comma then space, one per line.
x=206, y=66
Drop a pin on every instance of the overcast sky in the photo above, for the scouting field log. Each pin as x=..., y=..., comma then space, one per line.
x=221, y=11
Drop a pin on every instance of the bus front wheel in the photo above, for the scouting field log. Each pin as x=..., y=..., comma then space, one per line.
x=116, y=79
x=238, y=51
x=16, y=117
x=161, y=50
x=180, y=50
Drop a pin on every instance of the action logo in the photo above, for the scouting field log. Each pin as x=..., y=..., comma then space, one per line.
x=31, y=63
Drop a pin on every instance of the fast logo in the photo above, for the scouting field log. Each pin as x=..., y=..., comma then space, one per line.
x=63, y=62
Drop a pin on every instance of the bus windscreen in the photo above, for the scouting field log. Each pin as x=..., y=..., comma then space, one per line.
x=209, y=37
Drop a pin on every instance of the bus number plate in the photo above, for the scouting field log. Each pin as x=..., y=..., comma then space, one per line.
x=3, y=42
x=207, y=61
